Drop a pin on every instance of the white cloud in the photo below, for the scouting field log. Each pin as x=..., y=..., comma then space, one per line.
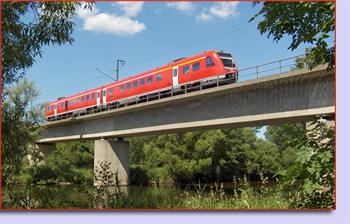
x=204, y=17
x=121, y=26
x=110, y=23
x=130, y=8
x=186, y=7
x=224, y=9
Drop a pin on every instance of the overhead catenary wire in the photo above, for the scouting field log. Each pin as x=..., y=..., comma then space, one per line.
x=183, y=46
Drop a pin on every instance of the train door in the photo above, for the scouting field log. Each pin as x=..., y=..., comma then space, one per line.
x=175, y=76
x=104, y=96
x=55, y=108
x=98, y=97
x=66, y=105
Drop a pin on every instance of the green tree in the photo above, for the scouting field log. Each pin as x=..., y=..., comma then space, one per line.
x=306, y=22
x=315, y=168
x=208, y=156
x=19, y=119
x=280, y=134
x=26, y=27
x=80, y=153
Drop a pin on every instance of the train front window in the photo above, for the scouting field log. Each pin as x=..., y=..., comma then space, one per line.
x=228, y=62
x=226, y=59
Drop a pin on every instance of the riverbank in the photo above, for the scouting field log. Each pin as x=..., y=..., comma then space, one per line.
x=154, y=196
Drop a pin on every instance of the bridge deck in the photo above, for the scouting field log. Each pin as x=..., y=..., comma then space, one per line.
x=294, y=96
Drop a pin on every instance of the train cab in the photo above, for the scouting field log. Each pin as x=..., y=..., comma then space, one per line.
x=229, y=64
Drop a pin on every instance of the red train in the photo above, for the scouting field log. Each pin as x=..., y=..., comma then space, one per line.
x=200, y=70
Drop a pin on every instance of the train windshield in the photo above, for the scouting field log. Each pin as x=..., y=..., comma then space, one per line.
x=227, y=59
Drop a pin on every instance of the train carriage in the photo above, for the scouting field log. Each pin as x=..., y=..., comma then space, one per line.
x=208, y=67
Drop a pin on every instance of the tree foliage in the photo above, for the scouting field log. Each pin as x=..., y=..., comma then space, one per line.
x=280, y=134
x=206, y=156
x=306, y=22
x=19, y=118
x=26, y=27
x=314, y=167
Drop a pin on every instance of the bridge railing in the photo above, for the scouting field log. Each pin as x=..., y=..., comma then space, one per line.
x=270, y=68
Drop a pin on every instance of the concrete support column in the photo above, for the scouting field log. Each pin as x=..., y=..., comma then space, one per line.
x=40, y=151
x=329, y=123
x=117, y=153
x=46, y=149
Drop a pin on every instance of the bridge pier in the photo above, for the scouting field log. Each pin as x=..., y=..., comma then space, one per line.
x=117, y=154
x=40, y=150
x=46, y=148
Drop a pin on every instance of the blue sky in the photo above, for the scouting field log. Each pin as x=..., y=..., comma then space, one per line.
x=147, y=35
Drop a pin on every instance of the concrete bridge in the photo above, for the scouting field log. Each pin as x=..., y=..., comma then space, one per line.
x=295, y=96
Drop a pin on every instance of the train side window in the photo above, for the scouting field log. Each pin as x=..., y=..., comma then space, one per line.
x=73, y=101
x=185, y=69
x=149, y=80
x=56, y=106
x=82, y=99
x=128, y=85
x=98, y=95
x=62, y=105
x=48, y=109
x=104, y=93
x=78, y=100
x=93, y=96
x=210, y=62
x=159, y=77
x=110, y=91
x=196, y=66
x=122, y=88
x=142, y=82
x=70, y=102
x=87, y=97
x=134, y=84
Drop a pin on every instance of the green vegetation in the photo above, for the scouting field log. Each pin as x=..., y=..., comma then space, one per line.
x=70, y=162
x=19, y=116
x=207, y=156
x=308, y=183
x=306, y=22
x=26, y=27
